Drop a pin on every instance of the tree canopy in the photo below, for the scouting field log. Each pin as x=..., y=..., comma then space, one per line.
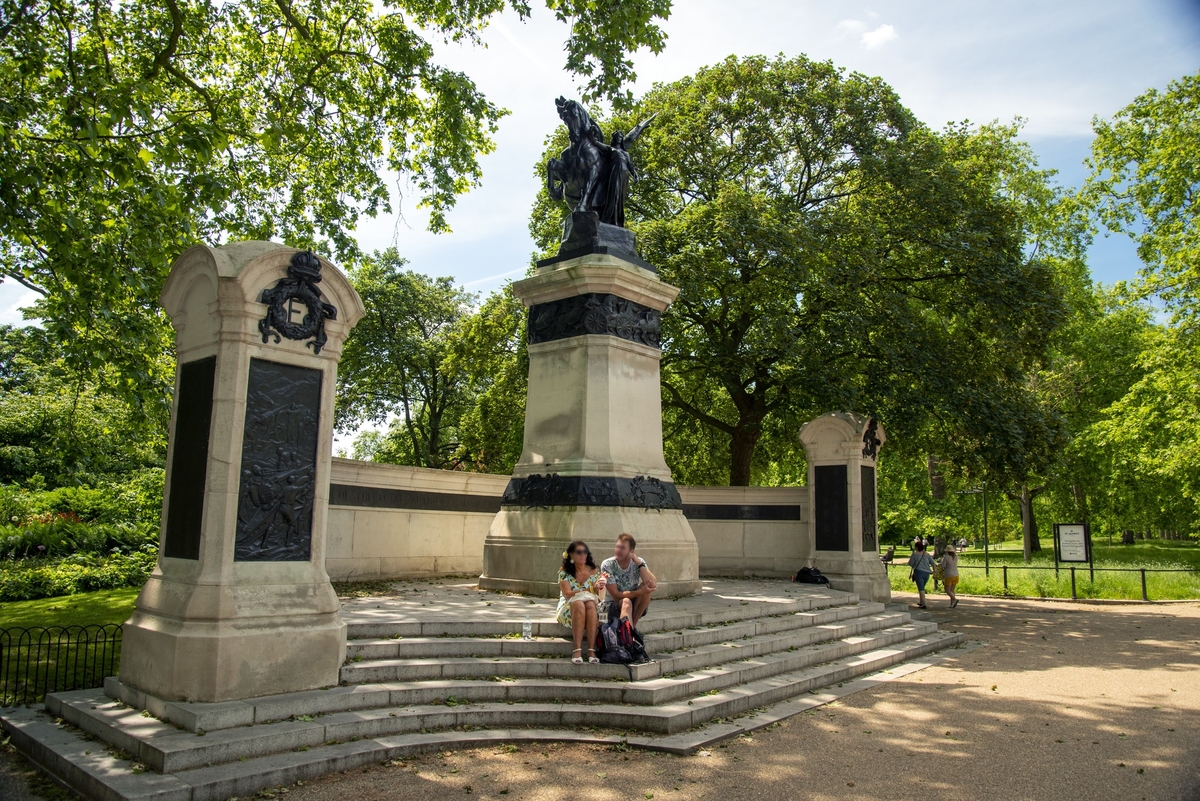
x=131, y=130
x=835, y=253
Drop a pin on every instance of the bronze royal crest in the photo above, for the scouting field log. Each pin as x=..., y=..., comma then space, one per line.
x=303, y=275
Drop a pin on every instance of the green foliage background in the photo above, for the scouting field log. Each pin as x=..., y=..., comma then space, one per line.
x=833, y=252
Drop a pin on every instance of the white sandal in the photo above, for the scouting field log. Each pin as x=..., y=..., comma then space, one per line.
x=592, y=656
x=578, y=660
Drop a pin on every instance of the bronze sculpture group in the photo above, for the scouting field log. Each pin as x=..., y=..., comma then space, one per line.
x=590, y=175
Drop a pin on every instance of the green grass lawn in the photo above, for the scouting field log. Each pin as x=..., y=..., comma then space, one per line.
x=35, y=661
x=1150, y=554
x=84, y=609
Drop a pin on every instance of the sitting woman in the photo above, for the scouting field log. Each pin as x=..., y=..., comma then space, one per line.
x=581, y=585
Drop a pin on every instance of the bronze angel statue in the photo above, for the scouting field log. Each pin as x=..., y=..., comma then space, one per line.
x=590, y=174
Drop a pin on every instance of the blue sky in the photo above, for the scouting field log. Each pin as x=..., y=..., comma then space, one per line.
x=1055, y=64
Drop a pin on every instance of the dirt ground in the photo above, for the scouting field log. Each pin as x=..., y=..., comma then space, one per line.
x=1063, y=701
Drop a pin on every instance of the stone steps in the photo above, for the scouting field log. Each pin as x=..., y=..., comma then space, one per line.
x=722, y=651
x=415, y=685
x=662, y=642
x=664, y=616
x=214, y=717
x=714, y=692
x=243, y=762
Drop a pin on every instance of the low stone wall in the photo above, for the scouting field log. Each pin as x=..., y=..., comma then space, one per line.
x=749, y=531
x=387, y=521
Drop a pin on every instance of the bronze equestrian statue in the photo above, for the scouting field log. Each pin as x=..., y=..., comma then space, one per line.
x=590, y=175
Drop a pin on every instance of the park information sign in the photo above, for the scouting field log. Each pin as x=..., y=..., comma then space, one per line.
x=1072, y=542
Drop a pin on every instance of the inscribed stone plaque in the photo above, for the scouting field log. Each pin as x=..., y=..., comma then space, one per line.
x=831, y=516
x=189, y=460
x=869, y=523
x=279, y=456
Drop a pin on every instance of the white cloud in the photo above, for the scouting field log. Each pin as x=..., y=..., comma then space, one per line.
x=13, y=299
x=856, y=28
x=882, y=34
x=848, y=27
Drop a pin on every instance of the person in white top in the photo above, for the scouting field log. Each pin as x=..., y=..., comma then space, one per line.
x=630, y=582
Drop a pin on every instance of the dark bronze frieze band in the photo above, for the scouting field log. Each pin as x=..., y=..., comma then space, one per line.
x=554, y=490
x=418, y=500
x=427, y=500
x=723, y=511
x=595, y=313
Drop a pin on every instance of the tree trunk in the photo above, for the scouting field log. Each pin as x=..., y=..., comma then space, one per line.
x=1029, y=528
x=741, y=454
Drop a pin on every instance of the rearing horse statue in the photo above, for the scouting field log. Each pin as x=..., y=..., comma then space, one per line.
x=589, y=175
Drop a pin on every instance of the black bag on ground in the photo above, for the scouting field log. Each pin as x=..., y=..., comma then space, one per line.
x=810, y=575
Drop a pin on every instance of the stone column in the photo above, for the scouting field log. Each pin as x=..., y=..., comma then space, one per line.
x=592, y=465
x=842, y=449
x=240, y=604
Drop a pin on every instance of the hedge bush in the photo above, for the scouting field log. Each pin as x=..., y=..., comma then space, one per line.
x=27, y=579
x=78, y=539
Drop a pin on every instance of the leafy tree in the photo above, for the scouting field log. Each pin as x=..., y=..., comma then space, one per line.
x=396, y=361
x=1096, y=359
x=131, y=130
x=1145, y=183
x=489, y=351
x=835, y=253
x=1146, y=444
x=59, y=430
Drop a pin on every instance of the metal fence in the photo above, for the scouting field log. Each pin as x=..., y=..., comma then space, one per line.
x=35, y=661
x=1091, y=571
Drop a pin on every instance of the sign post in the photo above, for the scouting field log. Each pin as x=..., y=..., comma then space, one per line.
x=1073, y=544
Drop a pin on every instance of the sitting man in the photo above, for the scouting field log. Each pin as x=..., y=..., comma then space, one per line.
x=630, y=581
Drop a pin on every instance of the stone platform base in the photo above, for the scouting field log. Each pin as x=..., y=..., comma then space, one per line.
x=524, y=548
x=738, y=647
x=864, y=575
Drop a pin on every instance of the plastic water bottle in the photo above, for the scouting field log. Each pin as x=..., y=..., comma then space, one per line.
x=527, y=629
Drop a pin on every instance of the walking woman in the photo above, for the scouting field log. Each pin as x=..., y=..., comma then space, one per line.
x=950, y=574
x=581, y=584
x=922, y=568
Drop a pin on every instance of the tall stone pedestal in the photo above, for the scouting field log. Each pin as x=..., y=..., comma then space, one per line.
x=842, y=449
x=592, y=465
x=239, y=604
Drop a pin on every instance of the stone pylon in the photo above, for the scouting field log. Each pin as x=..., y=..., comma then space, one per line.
x=239, y=604
x=842, y=450
x=592, y=466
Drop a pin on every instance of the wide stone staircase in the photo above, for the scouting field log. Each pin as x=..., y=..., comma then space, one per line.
x=419, y=679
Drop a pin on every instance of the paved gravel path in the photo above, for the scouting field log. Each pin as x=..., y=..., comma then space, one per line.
x=15, y=774
x=1064, y=701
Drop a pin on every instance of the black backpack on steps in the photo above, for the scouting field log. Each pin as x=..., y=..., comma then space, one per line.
x=621, y=644
x=810, y=575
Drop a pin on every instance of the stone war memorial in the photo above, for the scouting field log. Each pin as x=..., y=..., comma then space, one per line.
x=592, y=462
x=242, y=670
x=241, y=604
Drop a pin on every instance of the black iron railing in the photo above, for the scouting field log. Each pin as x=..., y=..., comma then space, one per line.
x=35, y=661
x=1082, y=569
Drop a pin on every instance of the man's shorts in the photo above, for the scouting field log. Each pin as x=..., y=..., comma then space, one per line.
x=614, y=610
